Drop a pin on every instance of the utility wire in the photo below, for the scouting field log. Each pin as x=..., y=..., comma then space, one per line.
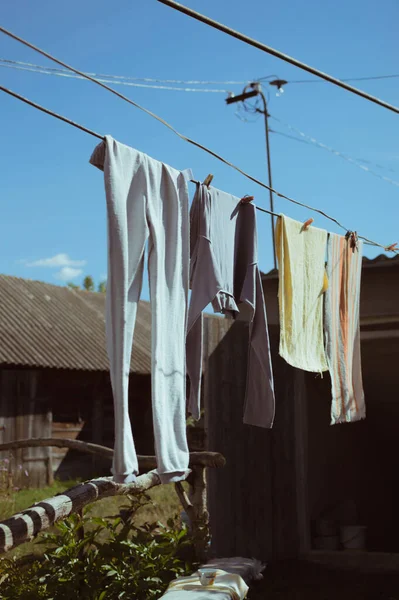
x=180, y=135
x=64, y=73
x=189, y=81
x=366, y=78
x=312, y=141
x=276, y=53
x=147, y=79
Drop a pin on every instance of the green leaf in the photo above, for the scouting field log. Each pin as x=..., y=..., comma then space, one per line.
x=112, y=572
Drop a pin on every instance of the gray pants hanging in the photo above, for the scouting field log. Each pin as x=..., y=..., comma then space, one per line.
x=147, y=200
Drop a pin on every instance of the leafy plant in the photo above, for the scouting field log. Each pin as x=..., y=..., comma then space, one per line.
x=94, y=558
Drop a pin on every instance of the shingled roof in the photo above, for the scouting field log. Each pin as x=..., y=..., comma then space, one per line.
x=43, y=325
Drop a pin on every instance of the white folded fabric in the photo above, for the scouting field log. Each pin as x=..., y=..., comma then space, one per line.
x=227, y=586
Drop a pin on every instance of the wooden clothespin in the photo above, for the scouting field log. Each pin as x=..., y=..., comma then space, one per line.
x=208, y=180
x=391, y=248
x=307, y=224
x=353, y=239
x=247, y=199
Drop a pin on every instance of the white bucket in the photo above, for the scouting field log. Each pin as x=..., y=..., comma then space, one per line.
x=353, y=537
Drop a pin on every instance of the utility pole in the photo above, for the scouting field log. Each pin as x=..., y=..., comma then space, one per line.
x=256, y=90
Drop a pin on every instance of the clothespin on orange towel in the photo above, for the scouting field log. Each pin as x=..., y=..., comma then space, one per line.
x=307, y=224
x=353, y=239
x=208, y=180
x=392, y=247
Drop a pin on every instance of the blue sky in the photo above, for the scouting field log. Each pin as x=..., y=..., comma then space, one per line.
x=52, y=224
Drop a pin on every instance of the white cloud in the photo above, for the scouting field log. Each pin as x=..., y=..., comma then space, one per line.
x=68, y=273
x=59, y=260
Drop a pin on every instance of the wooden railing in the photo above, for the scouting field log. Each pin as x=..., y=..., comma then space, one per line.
x=24, y=526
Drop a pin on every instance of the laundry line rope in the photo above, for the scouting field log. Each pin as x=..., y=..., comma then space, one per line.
x=158, y=118
x=50, y=112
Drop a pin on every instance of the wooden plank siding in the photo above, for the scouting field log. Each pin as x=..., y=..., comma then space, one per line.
x=241, y=521
x=254, y=500
x=67, y=404
x=23, y=414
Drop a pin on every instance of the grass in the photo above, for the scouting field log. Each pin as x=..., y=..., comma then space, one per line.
x=165, y=504
x=14, y=502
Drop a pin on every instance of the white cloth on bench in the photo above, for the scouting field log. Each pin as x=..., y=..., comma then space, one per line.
x=227, y=586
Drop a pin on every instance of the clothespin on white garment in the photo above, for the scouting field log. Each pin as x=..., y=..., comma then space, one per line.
x=247, y=199
x=208, y=180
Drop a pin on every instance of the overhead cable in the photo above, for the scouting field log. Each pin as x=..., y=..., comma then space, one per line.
x=269, y=50
x=10, y=62
x=64, y=73
x=180, y=135
x=129, y=78
x=366, y=78
x=311, y=140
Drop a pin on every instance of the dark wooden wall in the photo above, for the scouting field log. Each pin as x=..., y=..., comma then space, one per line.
x=254, y=500
x=67, y=404
x=354, y=467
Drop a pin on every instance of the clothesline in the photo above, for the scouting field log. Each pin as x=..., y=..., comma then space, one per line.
x=50, y=112
x=101, y=137
x=269, y=212
x=161, y=120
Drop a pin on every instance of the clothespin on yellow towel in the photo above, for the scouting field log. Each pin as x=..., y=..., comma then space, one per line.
x=305, y=227
x=307, y=224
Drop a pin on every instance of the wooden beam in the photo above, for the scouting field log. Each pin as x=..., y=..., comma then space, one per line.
x=146, y=463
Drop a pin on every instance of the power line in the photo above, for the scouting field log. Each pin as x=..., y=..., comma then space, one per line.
x=34, y=66
x=312, y=141
x=148, y=79
x=64, y=73
x=276, y=53
x=155, y=116
x=367, y=78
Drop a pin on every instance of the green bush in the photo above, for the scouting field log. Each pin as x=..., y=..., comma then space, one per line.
x=93, y=558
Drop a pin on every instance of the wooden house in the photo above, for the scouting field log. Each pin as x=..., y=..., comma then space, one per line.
x=54, y=377
x=279, y=483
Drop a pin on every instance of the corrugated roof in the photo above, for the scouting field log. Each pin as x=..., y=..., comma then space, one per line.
x=382, y=260
x=43, y=325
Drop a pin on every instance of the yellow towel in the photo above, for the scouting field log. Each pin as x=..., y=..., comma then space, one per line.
x=228, y=583
x=302, y=281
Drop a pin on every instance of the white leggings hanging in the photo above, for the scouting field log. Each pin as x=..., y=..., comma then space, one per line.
x=147, y=200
